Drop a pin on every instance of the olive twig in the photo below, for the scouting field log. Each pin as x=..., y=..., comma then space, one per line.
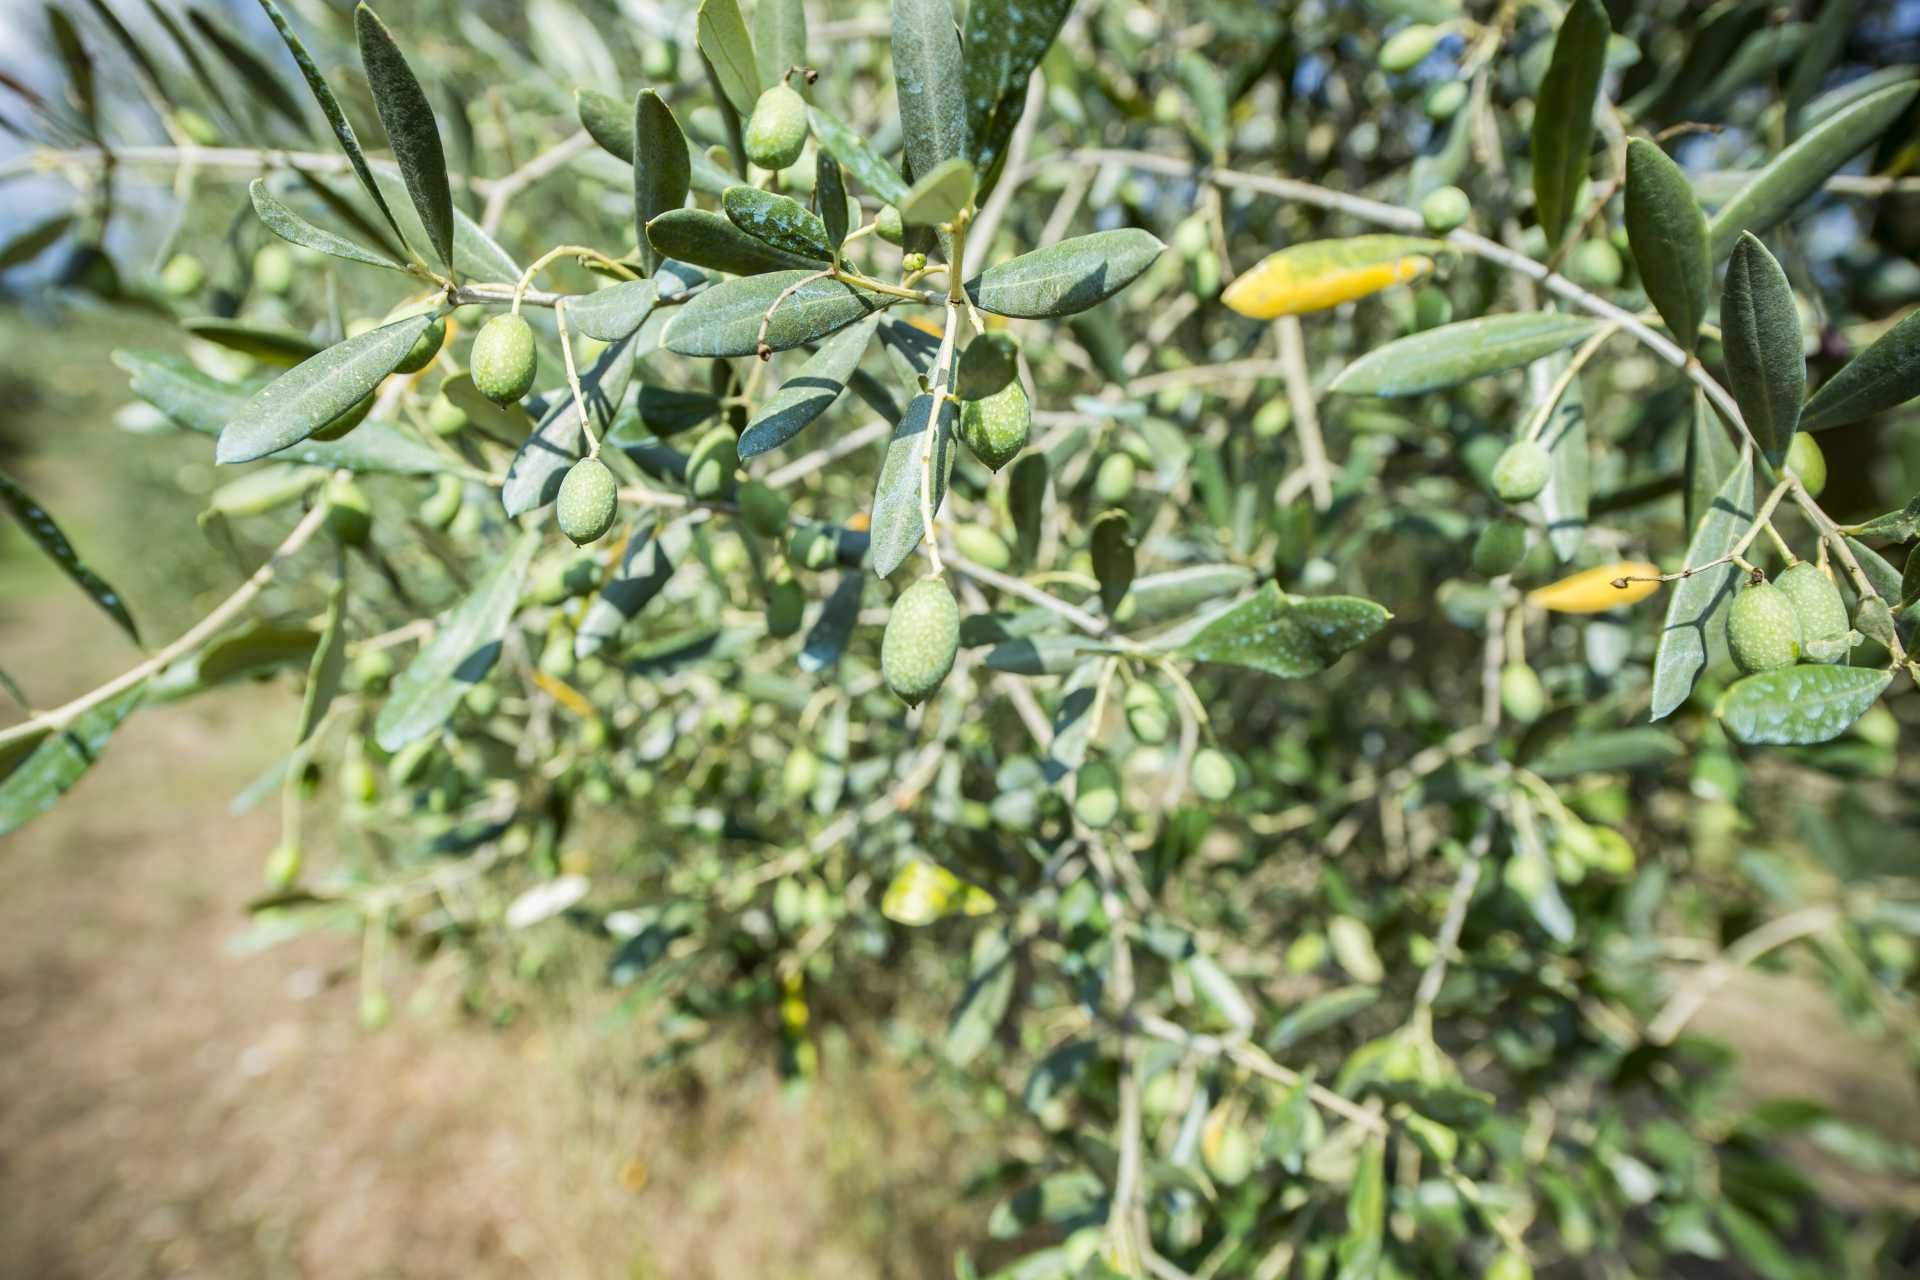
x=566, y=251
x=573, y=380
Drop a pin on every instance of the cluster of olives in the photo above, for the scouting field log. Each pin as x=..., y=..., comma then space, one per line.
x=1799, y=616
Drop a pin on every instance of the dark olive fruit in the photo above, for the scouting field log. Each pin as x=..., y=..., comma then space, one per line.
x=1521, y=472
x=589, y=500
x=349, y=515
x=786, y=602
x=1805, y=460
x=1096, y=795
x=1522, y=696
x=1445, y=208
x=711, y=465
x=503, y=361
x=921, y=639
x=1147, y=714
x=347, y=421
x=444, y=417
x=1213, y=775
x=1500, y=546
x=1763, y=631
x=777, y=130
x=1113, y=482
x=996, y=428
x=763, y=509
x=1821, y=613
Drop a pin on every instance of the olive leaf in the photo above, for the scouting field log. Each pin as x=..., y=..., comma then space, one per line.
x=1692, y=635
x=281, y=347
x=1820, y=51
x=534, y=475
x=984, y=1005
x=1459, y=352
x=1178, y=592
x=662, y=169
x=710, y=240
x=1111, y=543
x=1884, y=375
x=646, y=565
x=1320, y=1013
x=1319, y=274
x=1761, y=54
x=1042, y=655
x=777, y=220
x=190, y=51
x=1067, y=277
x=78, y=64
x=329, y=660
x=808, y=393
x=263, y=86
x=856, y=155
x=34, y=240
x=827, y=639
x=897, y=526
x=830, y=194
x=46, y=535
x=407, y=117
x=336, y=117
x=722, y=35
x=726, y=320
x=316, y=391
x=1026, y=498
x=1566, y=500
x=613, y=313
x=1760, y=328
x=779, y=38
x=1711, y=457
x=931, y=82
x=1799, y=705
x=939, y=195
x=1005, y=41
x=1895, y=526
x=1212, y=984
x=157, y=80
x=1618, y=750
x=1282, y=635
x=1563, y=114
x=60, y=759
x=1668, y=235
x=464, y=647
x=294, y=229
x=1798, y=171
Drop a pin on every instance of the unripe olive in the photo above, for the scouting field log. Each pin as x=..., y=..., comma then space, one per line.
x=560, y=580
x=763, y=509
x=444, y=417
x=800, y=773
x=589, y=499
x=1500, y=547
x=1444, y=99
x=183, y=274
x=888, y=226
x=786, y=602
x=1521, y=471
x=1805, y=460
x=982, y=546
x=272, y=269
x=1096, y=796
x=915, y=261
x=371, y=670
x=777, y=130
x=1763, y=632
x=1113, y=482
x=347, y=421
x=482, y=700
x=658, y=59
x=556, y=656
x=711, y=465
x=1595, y=264
x=359, y=782
x=1409, y=46
x=283, y=865
x=503, y=361
x=443, y=504
x=1445, y=208
x=1213, y=776
x=424, y=348
x=1522, y=696
x=814, y=546
x=349, y=516
x=1227, y=1151
x=1821, y=613
x=996, y=429
x=1431, y=307
x=1147, y=715
x=921, y=639
x=196, y=126
x=1509, y=1264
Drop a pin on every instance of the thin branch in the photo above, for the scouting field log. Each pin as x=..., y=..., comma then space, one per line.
x=1748, y=948
x=1306, y=418
x=502, y=190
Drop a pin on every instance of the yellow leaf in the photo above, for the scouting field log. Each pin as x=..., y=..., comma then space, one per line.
x=1325, y=273
x=925, y=891
x=564, y=694
x=1592, y=590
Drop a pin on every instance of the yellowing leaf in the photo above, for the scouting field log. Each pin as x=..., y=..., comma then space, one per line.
x=1593, y=590
x=925, y=891
x=1325, y=273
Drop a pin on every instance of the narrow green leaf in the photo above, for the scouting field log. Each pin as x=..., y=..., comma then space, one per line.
x=810, y=392
x=60, y=760
x=262, y=84
x=1895, y=526
x=1697, y=608
x=374, y=447
x=1006, y=39
x=330, y=107
x=645, y=567
x=462, y=651
x=1881, y=576
x=938, y=196
x=1067, y=277
x=1214, y=985
x=1111, y=543
x=857, y=156
x=779, y=38
x=1668, y=234
x=989, y=994
x=1042, y=655
x=1800, y=705
x=35, y=240
x=1320, y=1013
x=294, y=229
x=607, y=120
x=281, y=347
x=722, y=35
x=931, y=83
x=318, y=390
x=662, y=169
x=190, y=52
x=613, y=313
x=1711, y=458
x=47, y=536
x=534, y=475
x=255, y=649
x=1766, y=364
x=1910, y=581
x=1282, y=635
x=1565, y=502
x=1621, y=749
x=1026, y=499
x=896, y=526
x=1178, y=592
x=726, y=319
x=710, y=240
x=1799, y=170
x=827, y=639
x=779, y=221
x=1460, y=352
x=830, y=194
x=1760, y=55
x=135, y=49
x=1884, y=375
x=1563, y=114
x=329, y=660
x=407, y=117
x=78, y=63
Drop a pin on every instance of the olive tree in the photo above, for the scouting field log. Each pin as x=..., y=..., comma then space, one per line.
x=837, y=514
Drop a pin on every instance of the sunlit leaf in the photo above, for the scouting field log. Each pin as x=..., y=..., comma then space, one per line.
x=1800, y=705
x=1319, y=274
x=62, y=757
x=294, y=229
x=662, y=169
x=726, y=320
x=407, y=117
x=722, y=35
x=810, y=392
x=1005, y=41
x=931, y=83
x=1668, y=234
x=1283, y=635
x=1760, y=328
x=777, y=220
x=1886, y=374
x=316, y=391
x=1459, y=352
x=857, y=156
x=913, y=456
x=1698, y=605
x=1067, y=277
x=1563, y=114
